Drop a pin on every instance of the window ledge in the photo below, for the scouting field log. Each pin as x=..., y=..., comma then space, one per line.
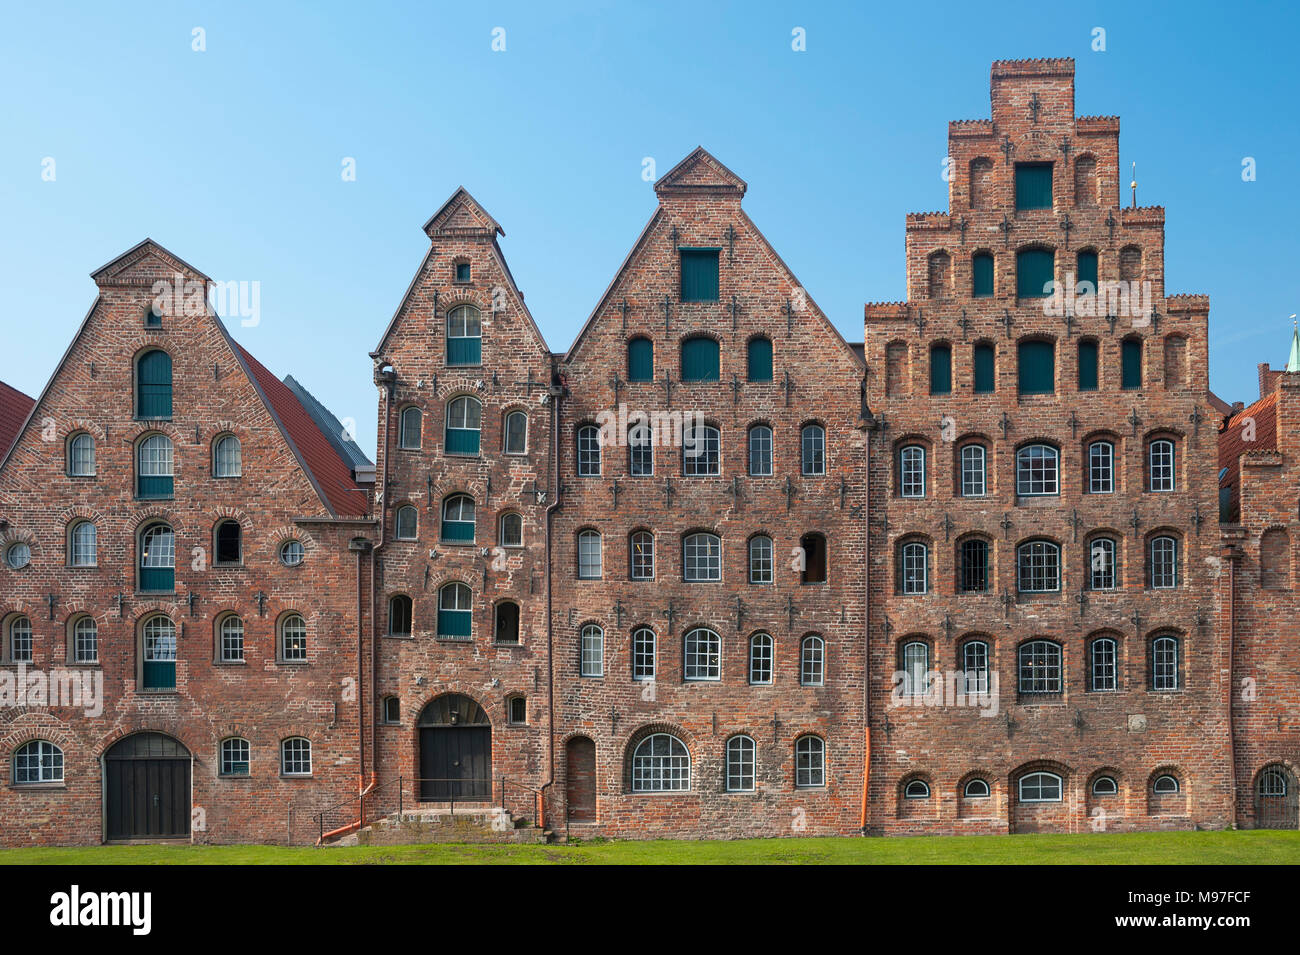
x=293, y=663
x=230, y=663
x=289, y=776
x=37, y=787
x=234, y=777
x=465, y=641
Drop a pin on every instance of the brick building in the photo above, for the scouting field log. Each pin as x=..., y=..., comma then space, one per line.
x=712, y=571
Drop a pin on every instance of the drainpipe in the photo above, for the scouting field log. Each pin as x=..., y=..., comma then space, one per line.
x=386, y=376
x=866, y=627
x=1232, y=641
x=557, y=395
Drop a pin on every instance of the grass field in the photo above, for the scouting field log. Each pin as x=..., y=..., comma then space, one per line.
x=1261, y=847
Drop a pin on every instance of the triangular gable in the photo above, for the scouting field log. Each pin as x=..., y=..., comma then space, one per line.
x=121, y=270
x=461, y=215
x=700, y=172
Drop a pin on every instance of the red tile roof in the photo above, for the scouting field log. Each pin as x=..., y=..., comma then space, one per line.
x=331, y=474
x=1233, y=444
x=14, y=409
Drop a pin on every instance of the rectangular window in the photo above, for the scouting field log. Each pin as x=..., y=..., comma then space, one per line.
x=702, y=558
x=1162, y=466
x=760, y=560
x=760, y=659
x=982, y=276
x=985, y=382
x=643, y=556
x=1036, y=471
x=974, y=567
x=1033, y=185
x=234, y=757
x=1164, y=563
x=760, y=359
x=1087, y=278
x=1087, y=366
x=1035, y=273
x=589, y=556
x=640, y=451
x=911, y=472
x=1131, y=361
x=1037, y=368
x=703, y=655
x=973, y=479
x=593, y=651
x=700, y=359
x=1101, y=467
x=760, y=451
x=699, y=275
x=1104, y=674
x=640, y=360
x=1101, y=574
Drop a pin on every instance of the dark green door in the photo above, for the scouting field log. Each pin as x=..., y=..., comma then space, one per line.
x=456, y=763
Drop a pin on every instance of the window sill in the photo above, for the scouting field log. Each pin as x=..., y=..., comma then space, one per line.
x=37, y=787
x=234, y=777
x=228, y=566
x=230, y=663
x=293, y=663
x=447, y=543
x=467, y=641
x=151, y=691
x=289, y=776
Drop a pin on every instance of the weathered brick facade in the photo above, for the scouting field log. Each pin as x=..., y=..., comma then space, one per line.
x=749, y=634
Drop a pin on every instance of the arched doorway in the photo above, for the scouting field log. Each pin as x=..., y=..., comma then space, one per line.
x=455, y=751
x=580, y=780
x=1277, y=801
x=146, y=788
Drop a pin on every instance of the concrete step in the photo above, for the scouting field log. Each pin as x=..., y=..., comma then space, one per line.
x=477, y=824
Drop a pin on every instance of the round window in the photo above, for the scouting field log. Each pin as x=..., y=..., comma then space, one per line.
x=18, y=556
x=291, y=553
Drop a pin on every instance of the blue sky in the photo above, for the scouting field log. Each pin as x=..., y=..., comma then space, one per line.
x=231, y=157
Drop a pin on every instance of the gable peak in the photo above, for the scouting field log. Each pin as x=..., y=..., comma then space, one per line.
x=700, y=173
x=462, y=216
x=123, y=270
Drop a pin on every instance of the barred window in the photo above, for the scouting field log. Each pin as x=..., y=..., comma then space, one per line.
x=38, y=762
x=1101, y=467
x=85, y=640
x=640, y=450
x=975, y=666
x=643, y=654
x=911, y=471
x=1040, y=667
x=84, y=545
x=740, y=764
x=914, y=562
x=702, y=557
x=973, y=575
x=293, y=639
x=295, y=757
x=589, y=451
x=1101, y=558
x=914, y=661
x=812, y=662
x=1163, y=560
x=760, y=451
x=661, y=763
x=809, y=762
x=760, y=659
x=1162, y=465
x=642, y=555
x=703, y=656
x=592, y=661
x=813, y=449
x=760, y=560
x=1273, y=783
x=1038, y=565
x=1103, y=674
x=1037, y=471
x=974, y=471
x=589, y=555
x=230, y=639
x=701, y=451
x=1040, y=787
x=1164, y=663
x=235, y=757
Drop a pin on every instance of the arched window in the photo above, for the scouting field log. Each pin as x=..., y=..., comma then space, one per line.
x=406, y=522
x=1103, y=669
x=981, y=275
x=644, y=654
x=973, y=566
x=1036, y=367
x=455, y=612
x=640, y=449
x=640, y=360
x=1275, y=559
x=1131, y=363
x=235, y=757
x=1037, y=470
x=913, y=567
x=1040, y=787
x=701, y=450
x=940, y=369
x=507, y=622
x=458, y=524
x=464, y=423
x=153, y=394
x=812, y=443
x=1035, y=273
x=911, y=471
x=984, y=360
x=1039, y=668
x=1038, y=567
x=741, y=755
x=939, y=269
x=1101, y=467
x=700, y=361
x=760, y=659
x=589, y=555
x=39, y=761
x=464, y=336
x=759, y=359
x=661, y=763
x=973, y=470
x=814, y=558
x=975, y=666
x=588, y=451
x=641, y=555
x=154, y=467
x=20, y=640
x=83, y=544
x=158, y=559
x=511, y=530
x=411, y=430
x=760, y=451
x=85, y=640
x=399, y=615
x=703, y=655
x=976, y=789
x=293, y=639
x=229, y=541
x=1165, y=659
x=1274, y=783
x=1102, y=564
x=1105, y=786
x=812, y=661
x=81, y=455
x=916, y=789
x=516, y=437
x=1162, y=562
x=761, y=564
x=295, y=757
x=230, y=639
x=227, y=460
x=914, y=664
x=158, y=639
x=1165, y=785
x=809, y=762
x=1161, y=470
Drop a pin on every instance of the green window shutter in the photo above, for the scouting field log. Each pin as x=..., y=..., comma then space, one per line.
x=1131, y=363
x=159, y=675
x=1087, y=271
x=1035, y=273
x=158, y=579
x=1037, y=367
x=461, y=441
x=1033, y=185
x=455, y=623
x=699, y=359
x=1087, y=366
x=458, y=531
x=760, y=359
x=151, y=486
x=464, y=351
x=940, y=370
x=984, y=377
x=640, y=360
x=982, y=275
x=154, y=374
x=699, y=275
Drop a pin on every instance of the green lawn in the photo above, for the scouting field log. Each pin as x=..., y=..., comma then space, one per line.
x=1171, y=848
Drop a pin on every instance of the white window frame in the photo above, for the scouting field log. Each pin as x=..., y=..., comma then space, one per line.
x=742, y=764
x=702, y=656
x=911, y=471
x=296, y=752
x=591, y=651
x=1038, y=788
x=702, y=558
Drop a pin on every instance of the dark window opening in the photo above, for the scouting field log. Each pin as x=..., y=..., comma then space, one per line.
x=814, y=554
x=507, y=628
x=228, y=538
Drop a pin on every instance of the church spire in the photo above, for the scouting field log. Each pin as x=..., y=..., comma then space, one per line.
x=1293, y=362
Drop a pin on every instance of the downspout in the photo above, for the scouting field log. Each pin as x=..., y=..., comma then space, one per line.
x=1232, y=676
x=389, y=383
x=866, y=625
x=557, y=394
